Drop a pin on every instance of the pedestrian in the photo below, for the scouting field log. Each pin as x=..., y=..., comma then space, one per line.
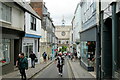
x=44, y=56
x=60, y=63
x=75, y=55
x=18, y=61
x=23, y=64
x=33, y=57
x=50, y=56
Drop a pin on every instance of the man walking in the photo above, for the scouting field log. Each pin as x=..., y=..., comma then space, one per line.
x=60, y=63
x=18, y=60
x=23, y=64
x=32, y=56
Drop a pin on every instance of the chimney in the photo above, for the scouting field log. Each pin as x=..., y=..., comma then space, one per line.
x=37, y=6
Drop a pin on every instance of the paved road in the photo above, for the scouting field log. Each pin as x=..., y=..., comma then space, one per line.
x=52, y=72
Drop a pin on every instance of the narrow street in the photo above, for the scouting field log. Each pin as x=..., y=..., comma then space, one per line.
x=52, y=72
x=71, y=71
x=83, y=33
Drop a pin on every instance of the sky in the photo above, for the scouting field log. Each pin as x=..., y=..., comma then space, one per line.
x=60, y=8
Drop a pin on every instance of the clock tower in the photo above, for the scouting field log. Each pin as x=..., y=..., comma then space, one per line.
x=63, y=34
x=63, y=22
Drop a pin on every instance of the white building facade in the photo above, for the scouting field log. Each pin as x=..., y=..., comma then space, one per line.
x=32, y=35
x=76, y=25
x=12, y=31
x=88, y=33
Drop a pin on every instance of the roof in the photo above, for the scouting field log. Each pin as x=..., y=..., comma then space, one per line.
x=28, y=8
x=36, y=1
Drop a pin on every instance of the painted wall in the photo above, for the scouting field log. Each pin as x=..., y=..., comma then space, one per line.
x=44, y=35
x=17, y=17
x=28, y=25
x=88, y=12
x=77, y=23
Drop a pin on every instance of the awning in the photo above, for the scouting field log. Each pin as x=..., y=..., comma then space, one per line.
x=32, y=36
x=88, y=35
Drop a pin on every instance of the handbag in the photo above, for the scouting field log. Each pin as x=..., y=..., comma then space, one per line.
x=36, y=60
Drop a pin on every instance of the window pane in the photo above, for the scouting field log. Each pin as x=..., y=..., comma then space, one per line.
x=5, y=51
x=6, y=13
x=9, y=14
x=33, y=23
x=3, y=12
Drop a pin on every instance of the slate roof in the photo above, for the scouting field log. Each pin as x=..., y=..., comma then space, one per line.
x=28, y=8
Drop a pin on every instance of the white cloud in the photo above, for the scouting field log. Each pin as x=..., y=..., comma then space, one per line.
x=58, y=8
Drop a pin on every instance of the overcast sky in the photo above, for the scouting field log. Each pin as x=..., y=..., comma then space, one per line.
x=60, y=8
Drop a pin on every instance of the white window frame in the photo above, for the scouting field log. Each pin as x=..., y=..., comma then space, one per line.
x=34, y=22
x=6, y=11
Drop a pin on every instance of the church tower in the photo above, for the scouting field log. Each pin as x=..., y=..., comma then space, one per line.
x=63, y=22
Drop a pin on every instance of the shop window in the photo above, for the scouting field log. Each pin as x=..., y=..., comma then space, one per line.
x=88, y=52
x=4, y=51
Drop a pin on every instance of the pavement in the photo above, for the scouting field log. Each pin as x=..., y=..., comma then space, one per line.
x=31, y=72
x=79, y=71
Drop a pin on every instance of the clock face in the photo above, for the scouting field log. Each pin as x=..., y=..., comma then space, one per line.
x=63, y=33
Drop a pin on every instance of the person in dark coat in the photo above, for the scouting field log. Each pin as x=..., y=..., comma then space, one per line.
x=23, y=64
x=18, y=59
x=75, y=55
x=44, y=56
x=60, y=63
x=32, y=56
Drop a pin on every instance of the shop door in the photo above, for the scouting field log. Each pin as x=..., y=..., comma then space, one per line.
x=36, y=47
x=16, y=50
x=27, y=49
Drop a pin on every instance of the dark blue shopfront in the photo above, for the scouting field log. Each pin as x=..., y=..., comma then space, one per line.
x=88, y=48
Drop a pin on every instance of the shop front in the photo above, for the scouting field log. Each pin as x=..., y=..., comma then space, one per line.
x=5, y=51
x=88, y=48
x=30, y=43
x=88, y=54
x=10, y=47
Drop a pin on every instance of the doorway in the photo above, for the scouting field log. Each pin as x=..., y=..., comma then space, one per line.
x=27, y=49
x=16, y=49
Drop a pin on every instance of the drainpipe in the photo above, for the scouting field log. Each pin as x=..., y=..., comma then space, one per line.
x=38, y=44
x=114, y=39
